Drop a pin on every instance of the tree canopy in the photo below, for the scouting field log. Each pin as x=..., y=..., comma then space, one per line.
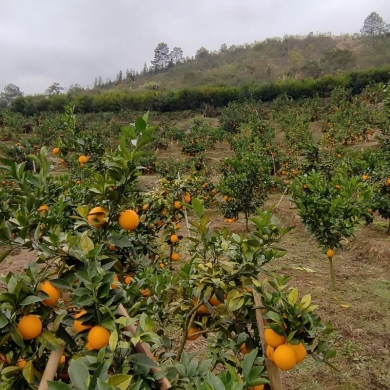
x=374, y=25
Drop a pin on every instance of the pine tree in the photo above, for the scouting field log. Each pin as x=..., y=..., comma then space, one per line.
x=161, y=56
x=374, y=25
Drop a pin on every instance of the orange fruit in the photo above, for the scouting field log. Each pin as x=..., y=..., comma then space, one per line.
x=113, y=285
x=56, y=150
x=174, y=238
x=98, y=337
x=201, y=309
x=365, y=177
x=89, y=347
x=388, y=182
x=191, y=331
x=300, y=351
x=21, y=363
x=128, y=220
x=187, y=197
x=162, y=265
x=338, y=186
x=43, y=209
x=270, y=351
x=96, y=217
x=258, y=387
x=177, y=205
x=52, y=291
x=175, y=257
x=78, y=182
x=30, y=327
x=112, y=247
x=83, y=159
x=62, y=359
x=128, y=279
x=145, y=292
x=244, y=350
x=285, y=357
x=164, y=213
x=330, y=253
x=214, y=301
x=78, y=325
x=272, y=338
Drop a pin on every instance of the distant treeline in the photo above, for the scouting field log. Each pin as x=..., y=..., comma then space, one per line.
x=195, y=98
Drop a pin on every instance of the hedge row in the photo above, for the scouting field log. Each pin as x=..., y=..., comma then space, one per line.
x=195, y=98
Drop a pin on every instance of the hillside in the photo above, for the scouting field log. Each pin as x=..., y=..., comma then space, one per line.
x=274, y=59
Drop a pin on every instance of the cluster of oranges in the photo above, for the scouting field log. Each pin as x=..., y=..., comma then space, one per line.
x=285, y=355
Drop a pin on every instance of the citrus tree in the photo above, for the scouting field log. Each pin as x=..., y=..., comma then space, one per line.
x=332, y=209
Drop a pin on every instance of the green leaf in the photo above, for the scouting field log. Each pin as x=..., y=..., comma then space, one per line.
x=329, y=354
x=140, y=125
x=4, y=255
x=79, y=374
x=30, y=299
x=143, y=360
x=60, y=283
x=293, y=297
x=58, y=386
x=248, y=363
x=28, y=371
x=305, y=301
x=3, y=320
x=214, y=382
x=121, y=381
x=49, y=341
x=236, y=303
x=113, y=340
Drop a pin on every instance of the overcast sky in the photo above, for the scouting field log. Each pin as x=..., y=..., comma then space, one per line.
x=74, y=41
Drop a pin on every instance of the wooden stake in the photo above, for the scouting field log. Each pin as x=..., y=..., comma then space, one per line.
x=273, y=371
x=51, y=368
x=141, y=347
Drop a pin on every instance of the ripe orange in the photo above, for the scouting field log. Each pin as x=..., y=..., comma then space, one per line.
x=112, y=247
x=365, y=177
x=78, y=325
x=162, y=265
x=30, y=327
x=43, y=209
x=164, y=213
x=244, y=350
x=201, y=309
x=89, y=347
x=258, y=387
x=177, y=205
x=285, y=357
x=128, y=220
x=128, y=279
x=113, y=285
x=96, y=217
x=338, y=186
x=330, y=253
x=300, y=351
x=191, y=331
x=273, y=339
x=187, y=197
x=214, y=301
x=388, y=182
x=83, y=159
x=175, y=257
x=78, y=182
x=145, y=292
x=62, y=359
x=98, y=337
x=270, y=352
x=52, y=291
x=21, y=363
x=174, y=238
x=56, y=150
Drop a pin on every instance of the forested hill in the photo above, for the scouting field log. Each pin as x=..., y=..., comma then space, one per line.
x=291, y=57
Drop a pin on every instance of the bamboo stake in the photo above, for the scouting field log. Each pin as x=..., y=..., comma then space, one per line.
x=51, y=368
x=141, y=347
x=272, y=369
x=185, y=212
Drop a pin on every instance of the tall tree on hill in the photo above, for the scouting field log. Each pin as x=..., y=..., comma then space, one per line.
x=11, y=92
x=374, y=25
x=161, y=57
x=176, y=55
x=54, y=89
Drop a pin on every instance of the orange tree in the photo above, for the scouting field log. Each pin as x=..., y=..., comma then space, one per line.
x=244, y=185
x=332, y=209
x=218, y=302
